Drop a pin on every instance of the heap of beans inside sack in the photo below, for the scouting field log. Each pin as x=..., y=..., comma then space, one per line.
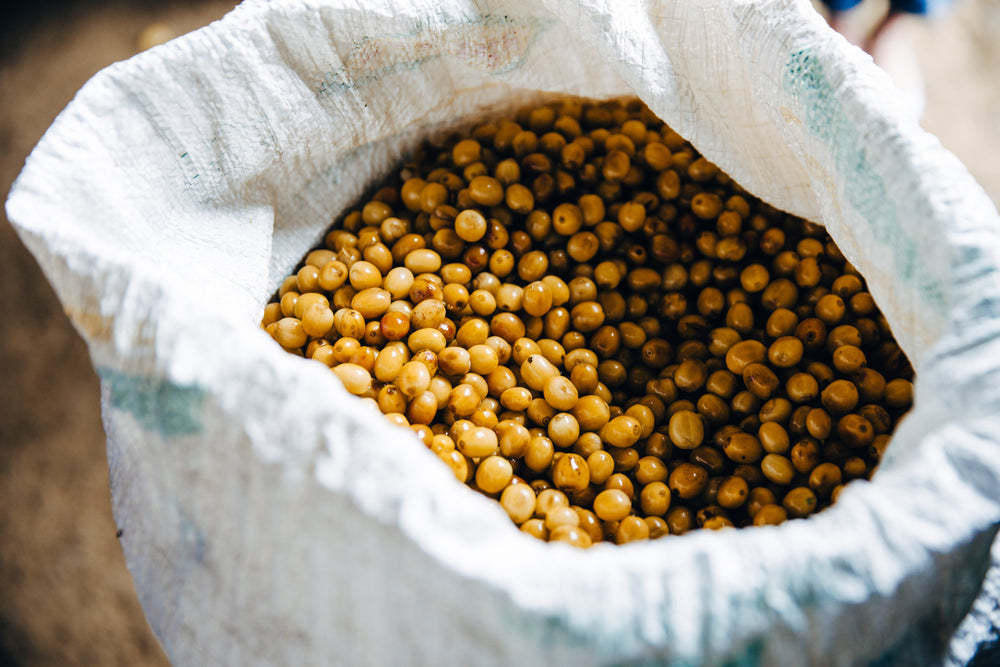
x=589, y=322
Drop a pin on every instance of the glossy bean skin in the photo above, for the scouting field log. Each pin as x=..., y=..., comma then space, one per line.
x=590, y=323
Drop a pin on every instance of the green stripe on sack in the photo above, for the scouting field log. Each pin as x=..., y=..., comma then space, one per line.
x=492, y=43
x=750, y=655
x=807, y=81
x=160, y=406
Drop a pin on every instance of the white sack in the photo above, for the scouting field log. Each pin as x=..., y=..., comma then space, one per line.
x=268, y=520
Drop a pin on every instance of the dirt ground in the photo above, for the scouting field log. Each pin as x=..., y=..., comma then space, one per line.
x=66, y=597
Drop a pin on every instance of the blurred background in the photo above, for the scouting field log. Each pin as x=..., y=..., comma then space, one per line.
x=66, y=597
